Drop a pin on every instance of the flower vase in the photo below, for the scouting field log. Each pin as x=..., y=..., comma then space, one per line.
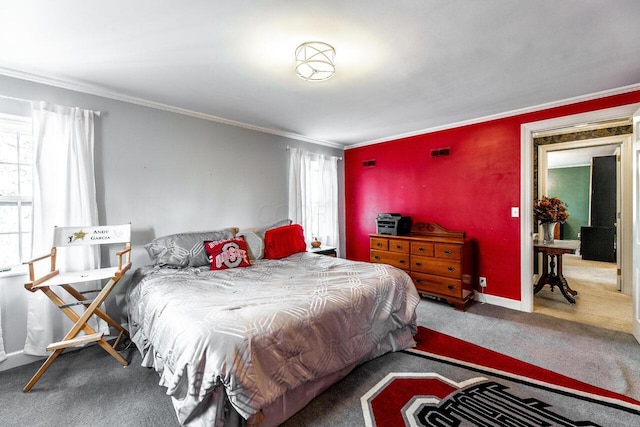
x=548, y=229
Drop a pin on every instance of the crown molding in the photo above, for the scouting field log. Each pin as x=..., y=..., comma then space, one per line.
x=533, y=109
x=98, y=91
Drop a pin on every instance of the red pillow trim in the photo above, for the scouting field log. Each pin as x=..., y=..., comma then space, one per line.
x=284, y=241
x=229, y=253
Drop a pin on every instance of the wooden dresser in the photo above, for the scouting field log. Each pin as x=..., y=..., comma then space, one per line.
x=442, y=263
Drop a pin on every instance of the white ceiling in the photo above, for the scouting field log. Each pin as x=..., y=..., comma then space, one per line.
x=402, y=66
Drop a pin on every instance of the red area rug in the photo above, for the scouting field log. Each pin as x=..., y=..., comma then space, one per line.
x=489, y=389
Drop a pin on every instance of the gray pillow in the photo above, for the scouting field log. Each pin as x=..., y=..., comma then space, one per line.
x=260, y=231
x=184, y=249
x=255, y=244
x=255, y=237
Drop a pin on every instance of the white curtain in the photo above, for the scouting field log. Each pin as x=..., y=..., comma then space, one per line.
x=3, y=355
x=313, y=195
x=64, y=194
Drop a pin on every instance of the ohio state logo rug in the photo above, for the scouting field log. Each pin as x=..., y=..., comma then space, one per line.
x=429, y=399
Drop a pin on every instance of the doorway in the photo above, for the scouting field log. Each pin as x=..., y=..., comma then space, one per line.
x=566, y=164
x=527, y=185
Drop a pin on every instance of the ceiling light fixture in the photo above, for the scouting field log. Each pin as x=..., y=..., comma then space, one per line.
x=315, y=61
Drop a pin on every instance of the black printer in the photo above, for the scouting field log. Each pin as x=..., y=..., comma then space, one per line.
x=393, y=224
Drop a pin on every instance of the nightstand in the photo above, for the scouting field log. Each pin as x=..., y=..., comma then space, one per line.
x=324, y=250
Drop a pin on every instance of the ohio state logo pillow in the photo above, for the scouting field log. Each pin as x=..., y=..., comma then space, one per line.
x=230, y=253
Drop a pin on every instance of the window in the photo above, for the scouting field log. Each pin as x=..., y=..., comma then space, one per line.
x=16, y=178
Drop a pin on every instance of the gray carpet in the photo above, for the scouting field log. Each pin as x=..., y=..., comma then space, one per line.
x=88, y=387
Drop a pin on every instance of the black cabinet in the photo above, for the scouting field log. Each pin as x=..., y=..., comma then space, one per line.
x=598, y=243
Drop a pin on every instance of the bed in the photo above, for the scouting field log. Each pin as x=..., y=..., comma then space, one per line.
x=253, y=345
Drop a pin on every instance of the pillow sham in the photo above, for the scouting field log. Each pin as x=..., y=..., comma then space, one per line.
x=255, y=244
x=229, y=253
x=184, y=249
x=255, y=241
x=284, y=241
x=262, y=230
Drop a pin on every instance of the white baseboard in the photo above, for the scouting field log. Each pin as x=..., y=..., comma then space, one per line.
x=499, y=301
x=18, y=358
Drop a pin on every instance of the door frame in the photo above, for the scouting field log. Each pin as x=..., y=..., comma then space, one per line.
x=624, y=200
x=526, y=184
x=635, y=325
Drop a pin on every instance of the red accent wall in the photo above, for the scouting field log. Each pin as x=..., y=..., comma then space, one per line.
x=471, y=190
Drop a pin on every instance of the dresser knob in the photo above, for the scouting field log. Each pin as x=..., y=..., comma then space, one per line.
x=398, y=246
x=376, y=257
x=421, y=249
x=401, y=261
x=419, y=264
x=451, y=268
x=379, y=244
x=447, y=252
x=450, y=287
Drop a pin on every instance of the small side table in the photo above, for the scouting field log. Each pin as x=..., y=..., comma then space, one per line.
x=552, y=276
x=324, y=250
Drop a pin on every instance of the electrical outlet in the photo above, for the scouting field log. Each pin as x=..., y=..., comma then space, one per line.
x=483, y=282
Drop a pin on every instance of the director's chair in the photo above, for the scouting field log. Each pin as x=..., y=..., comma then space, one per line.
x=53, y=279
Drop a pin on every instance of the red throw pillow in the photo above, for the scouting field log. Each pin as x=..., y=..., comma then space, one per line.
x=284, y=241
x=230, y=253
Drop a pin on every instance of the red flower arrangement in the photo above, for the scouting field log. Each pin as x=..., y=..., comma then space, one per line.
x=550, y=209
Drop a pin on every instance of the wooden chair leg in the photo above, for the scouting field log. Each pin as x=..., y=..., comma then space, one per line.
x=80, y=323
x=98, y=312
x=42, y=369
x=112, y=351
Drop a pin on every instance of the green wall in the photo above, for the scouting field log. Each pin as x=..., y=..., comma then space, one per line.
x=571, y=185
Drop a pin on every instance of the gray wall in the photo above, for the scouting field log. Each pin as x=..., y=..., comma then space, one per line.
x=166, y=173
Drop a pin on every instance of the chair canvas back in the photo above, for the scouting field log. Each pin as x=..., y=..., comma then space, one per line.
x=93, y=235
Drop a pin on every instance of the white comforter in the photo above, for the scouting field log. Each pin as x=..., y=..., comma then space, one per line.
x=264, y=330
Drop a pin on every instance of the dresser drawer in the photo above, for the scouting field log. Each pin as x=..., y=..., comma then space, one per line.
x=379, y=244
x=401, y=246
x=440, y=267
x=443, y=250
x=422, y=248
x=440, y=262
x=435, y=284
x=392, y=258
